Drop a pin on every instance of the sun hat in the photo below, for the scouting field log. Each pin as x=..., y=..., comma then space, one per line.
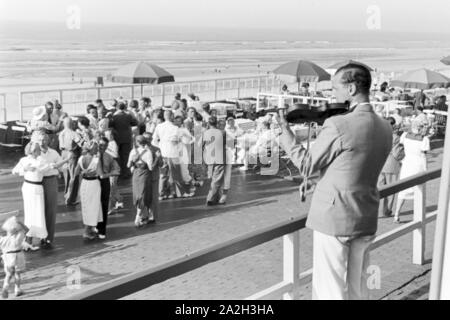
x=39, y=112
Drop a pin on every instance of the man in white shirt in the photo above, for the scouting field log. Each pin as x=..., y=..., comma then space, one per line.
x=50, y=184
x=167, y=140
x=70, y=145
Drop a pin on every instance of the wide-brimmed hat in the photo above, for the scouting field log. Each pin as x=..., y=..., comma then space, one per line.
x=39, y=112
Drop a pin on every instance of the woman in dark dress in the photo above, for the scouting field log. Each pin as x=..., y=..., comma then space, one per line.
x=140, y=164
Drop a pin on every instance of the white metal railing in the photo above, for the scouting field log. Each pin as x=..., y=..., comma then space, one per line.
x=74, y=100
x=279, y=100
x=292, y=277
x=290, y=231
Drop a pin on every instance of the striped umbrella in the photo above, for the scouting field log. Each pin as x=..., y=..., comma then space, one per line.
x=446, y=61
x=302, y=71
x=142, y=72
x=421, y=79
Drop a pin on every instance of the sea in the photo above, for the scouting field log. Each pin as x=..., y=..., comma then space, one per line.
x=50, y=50
x=38, y=56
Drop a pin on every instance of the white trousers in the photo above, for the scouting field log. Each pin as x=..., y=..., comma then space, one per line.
x=340, y=267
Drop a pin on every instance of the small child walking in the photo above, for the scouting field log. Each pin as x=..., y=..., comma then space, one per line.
x=12, y=246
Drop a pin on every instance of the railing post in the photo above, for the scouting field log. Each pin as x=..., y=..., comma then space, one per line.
x=215, y=89
x=163, y=95
x=291, y=263
x=20, y=106
x=60, y=97
x=419, y=233
x=239, y=88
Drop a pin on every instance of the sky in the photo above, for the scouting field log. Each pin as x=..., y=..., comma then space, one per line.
x=394, y=15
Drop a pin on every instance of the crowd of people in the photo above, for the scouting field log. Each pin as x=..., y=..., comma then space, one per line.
x=167, y=152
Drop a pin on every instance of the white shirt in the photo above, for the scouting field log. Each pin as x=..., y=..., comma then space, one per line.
x=113, y=149
x=49, y=157
x=36, y=175
x=166, y=139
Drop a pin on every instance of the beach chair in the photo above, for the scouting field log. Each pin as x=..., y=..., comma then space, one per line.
x=16, y=138
x=3, y=131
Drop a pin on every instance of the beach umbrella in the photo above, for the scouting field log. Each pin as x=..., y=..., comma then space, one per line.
x=142, y=72
x=421, y=79
x=302, y=71
x=446, y=61
x=341, y=64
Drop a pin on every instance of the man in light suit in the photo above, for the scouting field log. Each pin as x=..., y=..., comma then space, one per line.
x=349, y=154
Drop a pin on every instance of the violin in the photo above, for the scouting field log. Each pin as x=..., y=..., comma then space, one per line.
x=304, y=113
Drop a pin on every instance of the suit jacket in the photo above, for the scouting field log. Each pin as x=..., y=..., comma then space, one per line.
x=157, y=162
x=122, y=123
x=393, y=162
x=349, y=154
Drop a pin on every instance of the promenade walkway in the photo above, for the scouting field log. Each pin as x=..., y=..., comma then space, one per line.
x=187, y=225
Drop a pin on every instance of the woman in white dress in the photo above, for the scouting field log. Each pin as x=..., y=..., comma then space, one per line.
x=90, y=191
x=415, y=161
x=31, y=168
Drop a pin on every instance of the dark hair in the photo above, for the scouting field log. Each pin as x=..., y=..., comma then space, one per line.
x=121, y=106
x=198, y=117
x=391, y=121
x=146, y=100
x=177, y=95
x=212, y=121
x=99, y=101
x=420, y=108
x=305, y=85
x=357, y=74
x=140, y=140
x=284, y=87
x=134, y=104
x=160, y=115
x=49, y=103
x=206, y=107
x=83, y=121
x=89, y=107
x=104, y=139
x=191, y=108
x=179, y=118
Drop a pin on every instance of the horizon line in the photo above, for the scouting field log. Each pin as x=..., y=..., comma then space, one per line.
x=247, y=28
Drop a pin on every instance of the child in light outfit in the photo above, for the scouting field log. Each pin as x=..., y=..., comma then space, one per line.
x=12, y=246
